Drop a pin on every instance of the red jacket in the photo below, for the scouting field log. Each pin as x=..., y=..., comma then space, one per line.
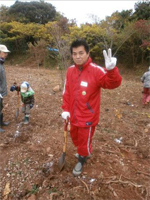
x=82, y=89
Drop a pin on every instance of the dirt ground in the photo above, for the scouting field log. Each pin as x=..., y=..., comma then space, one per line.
x=119, y=168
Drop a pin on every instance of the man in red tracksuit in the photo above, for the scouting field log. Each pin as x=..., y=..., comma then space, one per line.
x=81, y=96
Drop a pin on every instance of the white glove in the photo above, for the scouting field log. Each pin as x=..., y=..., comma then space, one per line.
x=65, y=115
x=1, y=96
x=110, y=62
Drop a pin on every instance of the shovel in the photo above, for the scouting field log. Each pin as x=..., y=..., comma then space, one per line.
x=18, y=105
x=61, y=161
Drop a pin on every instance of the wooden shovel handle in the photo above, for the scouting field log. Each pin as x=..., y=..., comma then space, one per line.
x=65, y=142
x=65, y=135
x=66, y=124
x=18, y=99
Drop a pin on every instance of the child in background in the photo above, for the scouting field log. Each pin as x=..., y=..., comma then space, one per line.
x=27, y=98
x=146, y=87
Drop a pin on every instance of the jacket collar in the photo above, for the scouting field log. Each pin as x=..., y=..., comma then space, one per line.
x=2, y=60
x=85, y=64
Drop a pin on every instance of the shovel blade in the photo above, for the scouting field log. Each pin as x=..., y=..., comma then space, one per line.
x=61, y=161
x=17, y=114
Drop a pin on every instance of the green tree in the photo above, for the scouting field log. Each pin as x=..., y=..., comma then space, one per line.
x=122, y=18
x=142, y=10
x=4, y=17
x=34, y=11
x=143, y=30
x=17, y=35
x=133, y=43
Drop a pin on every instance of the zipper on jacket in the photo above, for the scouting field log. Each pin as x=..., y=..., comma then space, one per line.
x=75, y=106
x=89, y=107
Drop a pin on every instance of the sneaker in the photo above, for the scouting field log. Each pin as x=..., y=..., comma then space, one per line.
x=77, y=156
x=78, y=168
x=26, y=120
x=5, y=123
x=1, y=130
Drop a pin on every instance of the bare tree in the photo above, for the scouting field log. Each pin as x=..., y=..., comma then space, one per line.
x=63, y=47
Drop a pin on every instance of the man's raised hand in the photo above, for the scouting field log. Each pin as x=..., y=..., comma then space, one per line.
x=110, y=62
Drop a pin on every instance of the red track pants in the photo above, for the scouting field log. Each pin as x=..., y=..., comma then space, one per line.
x=146, y=95
x=82, y=139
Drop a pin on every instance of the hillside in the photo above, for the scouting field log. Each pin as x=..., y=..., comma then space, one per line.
x=119, y=166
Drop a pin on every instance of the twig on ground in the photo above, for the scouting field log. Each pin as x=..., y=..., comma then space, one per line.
x=140, y=172
x=124, y=182
x=137, y=141
x=108, y=151
x=143, y=187
x=74, y=188
x=113, y=191
x=85, y=185
x=53, y=194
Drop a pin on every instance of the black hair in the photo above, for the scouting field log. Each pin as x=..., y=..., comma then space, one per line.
x=79, y=42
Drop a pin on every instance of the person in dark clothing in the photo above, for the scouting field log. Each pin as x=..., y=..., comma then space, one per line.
x=27, y=98
x=3, y=85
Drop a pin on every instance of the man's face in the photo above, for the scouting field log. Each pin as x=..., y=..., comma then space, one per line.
x=3, y=55
x=79, y=55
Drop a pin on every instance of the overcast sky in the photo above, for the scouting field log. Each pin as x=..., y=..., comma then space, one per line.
x=82, y=10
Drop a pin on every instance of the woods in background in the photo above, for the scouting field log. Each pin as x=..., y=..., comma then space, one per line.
x=26, y=25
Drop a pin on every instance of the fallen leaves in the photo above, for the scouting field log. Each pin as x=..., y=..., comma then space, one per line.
x=118, y=114
x=6, y=191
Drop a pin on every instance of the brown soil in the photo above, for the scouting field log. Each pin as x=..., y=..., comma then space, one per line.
x=118, y=169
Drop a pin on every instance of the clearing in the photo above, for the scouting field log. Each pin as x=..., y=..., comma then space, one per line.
x=119, y=168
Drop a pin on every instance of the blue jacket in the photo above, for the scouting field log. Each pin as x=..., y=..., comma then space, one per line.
x=146, y=79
